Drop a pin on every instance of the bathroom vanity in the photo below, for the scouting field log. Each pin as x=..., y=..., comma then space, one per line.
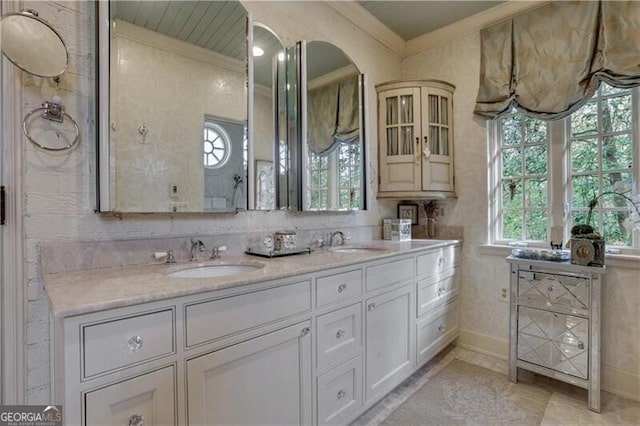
x=309, y=339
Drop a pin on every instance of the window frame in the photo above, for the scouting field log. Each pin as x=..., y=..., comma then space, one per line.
x=559, y=181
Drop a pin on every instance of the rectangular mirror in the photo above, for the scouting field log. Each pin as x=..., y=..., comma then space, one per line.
x=173, y=106
x=333, y=129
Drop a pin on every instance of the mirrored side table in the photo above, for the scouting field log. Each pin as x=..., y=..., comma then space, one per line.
x=554, y=327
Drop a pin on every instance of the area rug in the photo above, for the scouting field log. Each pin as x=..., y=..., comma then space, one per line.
x=465, y=394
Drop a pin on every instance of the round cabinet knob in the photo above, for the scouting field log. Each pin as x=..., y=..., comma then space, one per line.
x=440, y=291
x=136, y=420
x=580, y=345
x=441, y=328
x=134, y=343
x=305, y=331
x=550, y=289
x=342, y=287
x=341, y=394
x=340, y=334
x=371, y=306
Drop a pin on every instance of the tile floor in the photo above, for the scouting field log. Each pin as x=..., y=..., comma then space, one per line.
x=567, y=405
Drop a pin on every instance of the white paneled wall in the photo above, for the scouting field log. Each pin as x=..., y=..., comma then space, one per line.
x=59, y=187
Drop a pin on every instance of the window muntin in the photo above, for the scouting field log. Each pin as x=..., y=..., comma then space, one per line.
x=524, y=176
x=601, y=161
x=335, y=179
x=595, y=150
x=216, y=145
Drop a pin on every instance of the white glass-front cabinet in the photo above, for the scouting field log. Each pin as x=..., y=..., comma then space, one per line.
x=416, y=139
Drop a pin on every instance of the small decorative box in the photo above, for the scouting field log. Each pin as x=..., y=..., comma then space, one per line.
x=396, y=229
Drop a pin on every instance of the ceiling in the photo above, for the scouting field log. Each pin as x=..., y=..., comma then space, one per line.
x=410, y=19
x=220, y=25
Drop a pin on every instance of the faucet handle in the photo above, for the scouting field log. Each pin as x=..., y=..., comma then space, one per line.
x=168, y=254
x=215, y=251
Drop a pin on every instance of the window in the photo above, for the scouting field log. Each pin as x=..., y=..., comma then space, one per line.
x=217, y=146
x=335, y=179
x=544, y=173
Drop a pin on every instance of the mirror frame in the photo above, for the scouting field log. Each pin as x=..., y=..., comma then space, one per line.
x=304, y=165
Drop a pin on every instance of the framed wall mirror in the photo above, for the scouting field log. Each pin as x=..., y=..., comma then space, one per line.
x=334, y=152
x=173, y=106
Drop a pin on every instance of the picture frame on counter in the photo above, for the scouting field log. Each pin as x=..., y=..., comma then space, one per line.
x=408, y=211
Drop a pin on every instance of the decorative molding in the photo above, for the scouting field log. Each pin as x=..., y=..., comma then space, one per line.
x=12, y=289
x=150, y=38
x=368, y=23
x=469, y=25
x=614, y=380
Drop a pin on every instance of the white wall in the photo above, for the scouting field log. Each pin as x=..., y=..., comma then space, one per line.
x=485, y=319
x=59, y=188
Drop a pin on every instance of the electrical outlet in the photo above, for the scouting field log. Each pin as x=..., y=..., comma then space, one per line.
x=504, y=295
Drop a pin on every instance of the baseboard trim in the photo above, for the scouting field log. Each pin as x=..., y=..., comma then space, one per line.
x=618, y=382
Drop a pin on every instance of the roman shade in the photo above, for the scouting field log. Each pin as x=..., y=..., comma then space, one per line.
x=548, y=62
x=333, y=112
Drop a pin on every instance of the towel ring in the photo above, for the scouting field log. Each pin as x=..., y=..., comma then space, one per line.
x=54, y=112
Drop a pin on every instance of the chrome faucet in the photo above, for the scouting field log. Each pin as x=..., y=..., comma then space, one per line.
x=343, y=238
x=196, y=246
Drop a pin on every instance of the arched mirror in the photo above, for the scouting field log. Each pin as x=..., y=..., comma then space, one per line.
x=173, y=106
x=32, y=44
x=333, y=130
x=269, y=112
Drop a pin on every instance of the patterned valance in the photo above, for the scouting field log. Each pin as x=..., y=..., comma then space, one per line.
x=548, y=62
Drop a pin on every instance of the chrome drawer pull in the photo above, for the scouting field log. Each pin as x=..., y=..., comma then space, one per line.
x=342, y=287
x=136, y=420
x=340, y=334
x=441, y=328
x=305, y=331
x=440, y=291
x=134, y=343
x=341, y=394
x=371, y=306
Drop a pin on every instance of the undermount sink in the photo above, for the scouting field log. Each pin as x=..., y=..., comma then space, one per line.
x=211, y=271
x=356, y=249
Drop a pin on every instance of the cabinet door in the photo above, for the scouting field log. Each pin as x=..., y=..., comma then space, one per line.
x=144, y=400
x=437, y=147
x=265, y=380
x=390, y=343
x=399, y=134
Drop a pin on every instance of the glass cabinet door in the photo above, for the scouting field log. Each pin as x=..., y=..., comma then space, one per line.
x=439, y=127
x=400, y=124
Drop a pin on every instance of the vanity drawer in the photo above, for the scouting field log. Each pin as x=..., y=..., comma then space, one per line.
x=340, y=393
x=123, y=342
x=555, y=290
x=149, y=397
x=436, y=290
x=339, y=333
x=436, y=330
x=389, y=273
x=336, y=287
x=216, y=319
x=437, y=261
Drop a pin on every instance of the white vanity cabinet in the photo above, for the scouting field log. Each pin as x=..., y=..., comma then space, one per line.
x=555, y=322
x=319, y=347
x=416, y=139
x=265, y=380
x=390, y=354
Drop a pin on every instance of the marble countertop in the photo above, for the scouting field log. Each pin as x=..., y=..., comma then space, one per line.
x=85, y=291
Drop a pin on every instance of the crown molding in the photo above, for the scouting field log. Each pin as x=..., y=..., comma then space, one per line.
x=368, y=23
x=469, y=25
